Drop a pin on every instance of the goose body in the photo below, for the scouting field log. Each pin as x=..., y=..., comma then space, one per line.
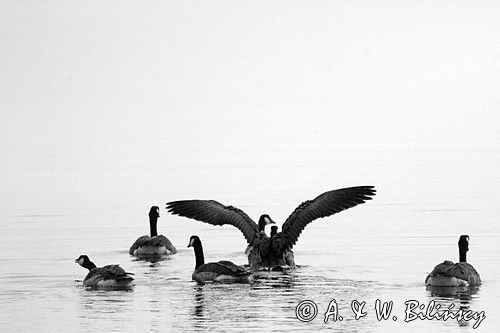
x=153, y=245
x=268, y=252
x=110, y=276
x=222, y=271
x=460, y=274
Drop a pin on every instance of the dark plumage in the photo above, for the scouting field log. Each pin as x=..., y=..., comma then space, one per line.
x=449, y=274
x=154, y=245
x=221, y=271
x=110, y=276
x=277, y=250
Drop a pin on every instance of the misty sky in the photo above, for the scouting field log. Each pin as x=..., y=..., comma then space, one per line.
x=162, y=100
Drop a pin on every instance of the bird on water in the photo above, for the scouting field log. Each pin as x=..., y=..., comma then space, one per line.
x=110, y=276
x=460, y=274
x=154, y=245
x=269, y=252
x=222, y=271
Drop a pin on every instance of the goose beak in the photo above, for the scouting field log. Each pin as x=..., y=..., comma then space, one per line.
x=76, y=261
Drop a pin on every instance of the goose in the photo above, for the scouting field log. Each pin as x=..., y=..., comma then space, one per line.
x=277, y=250
x=154, y=245
x=222, y=271
x=461, y=274
x=261, y=240
x=110, y=276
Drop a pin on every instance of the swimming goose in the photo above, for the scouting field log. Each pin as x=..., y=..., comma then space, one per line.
x=154, y=245
x=461, y=274
x=110, y=276
x=221, y=271
x=280, y=246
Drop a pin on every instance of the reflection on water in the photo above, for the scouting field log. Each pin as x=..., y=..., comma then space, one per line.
x=454, y=299
x=461, y=293
x=199, y=307
x=269, y=303
x=93, y=302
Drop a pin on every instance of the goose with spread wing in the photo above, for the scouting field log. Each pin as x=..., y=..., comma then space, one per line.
x=154, y=245
x=269, y=252
x=460, y=274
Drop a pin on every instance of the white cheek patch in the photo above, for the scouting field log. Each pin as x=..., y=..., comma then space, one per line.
x=268, y=221
x=191, y=241
x=80, y=261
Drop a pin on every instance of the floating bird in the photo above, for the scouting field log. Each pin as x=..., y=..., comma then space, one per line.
x=221, y=271
x=461, y=274
x=154, y=245
x=110, y=276
x=268, y=252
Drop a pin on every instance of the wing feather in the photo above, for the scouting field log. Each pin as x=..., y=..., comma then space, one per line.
x=213, y=212
x=324, y=205
x=112, y=272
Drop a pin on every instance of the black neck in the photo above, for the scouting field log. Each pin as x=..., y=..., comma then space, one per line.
x=89, y=265
x=463, y=247
x=463, y=256
x=198, y=253
x=152, y=226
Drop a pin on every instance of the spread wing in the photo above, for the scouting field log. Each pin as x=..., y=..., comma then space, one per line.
x=213, y=212
x=324, y=205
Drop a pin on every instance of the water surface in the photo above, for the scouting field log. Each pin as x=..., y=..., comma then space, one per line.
x=373, y=251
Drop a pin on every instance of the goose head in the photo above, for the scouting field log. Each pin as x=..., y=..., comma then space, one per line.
x=263, y=221
x=193, y=241
x=463, y=247
x=85, y=262
x=154, y=212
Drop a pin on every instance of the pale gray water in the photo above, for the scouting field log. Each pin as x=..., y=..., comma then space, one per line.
x=375, y=251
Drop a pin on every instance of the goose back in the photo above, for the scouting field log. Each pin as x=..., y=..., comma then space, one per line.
x=159, y=241
x=461, y=271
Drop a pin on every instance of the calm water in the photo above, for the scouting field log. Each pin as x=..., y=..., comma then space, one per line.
x=374, y=251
